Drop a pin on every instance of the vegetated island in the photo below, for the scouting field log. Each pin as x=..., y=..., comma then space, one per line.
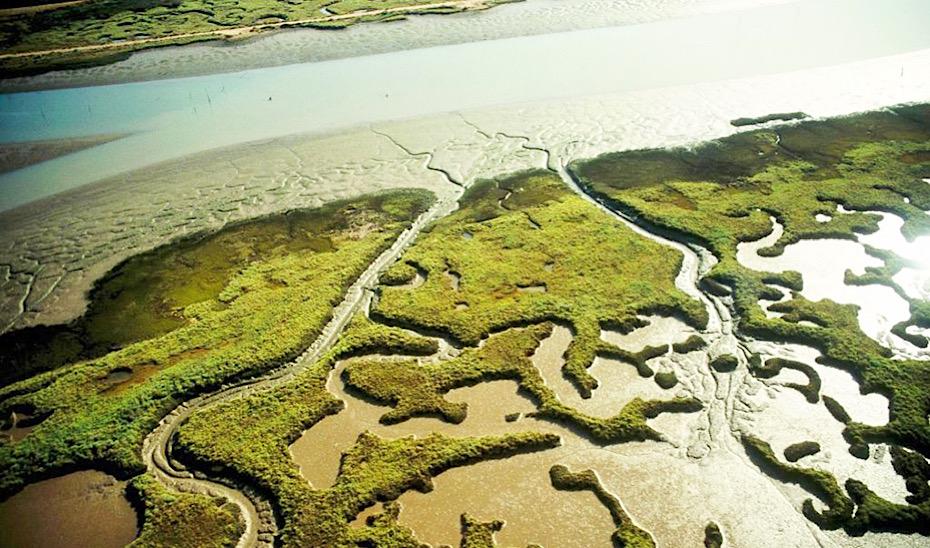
x=521, y=252
x=41, y=36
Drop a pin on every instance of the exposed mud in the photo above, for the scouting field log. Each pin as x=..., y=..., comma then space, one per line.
x=86, y=508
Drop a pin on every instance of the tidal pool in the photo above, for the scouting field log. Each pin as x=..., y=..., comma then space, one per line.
x=823, y=264
x=516, y=490
x=915, y=280
x=87, y=508
x=318, y=451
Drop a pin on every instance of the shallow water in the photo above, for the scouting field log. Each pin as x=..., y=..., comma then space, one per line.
x=822, y=264
x=172, y=118
x=915, y=281
x=310, y=45
x=86, y=508
x=516, y=490
x=317, y=452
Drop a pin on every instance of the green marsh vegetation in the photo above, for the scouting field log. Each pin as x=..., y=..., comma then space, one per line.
x=773, y=367
x=819, y=483
x=529, y=231
x=183, y=520
x=713, y=538
x=266, y=314
x=521, y=253
x=797, y=451
x=504, y=226
x=373, y=470
x=478, y=534
x=417, y=390
x=129, y=25
x=627, y=535
x=146, y=295
x=721, y=193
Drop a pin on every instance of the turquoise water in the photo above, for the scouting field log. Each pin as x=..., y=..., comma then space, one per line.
x=172, y=118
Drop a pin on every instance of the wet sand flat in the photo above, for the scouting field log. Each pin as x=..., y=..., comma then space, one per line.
x=80, y=509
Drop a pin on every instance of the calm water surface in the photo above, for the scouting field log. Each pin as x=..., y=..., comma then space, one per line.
x=171, y=118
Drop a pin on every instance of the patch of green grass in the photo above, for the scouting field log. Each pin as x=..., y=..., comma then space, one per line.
x=479, y=534
x=722, y=193
x=797, y=451
x=184, y=520
x=384, y=531
x=724, y=363
x=713, y=538
x=817, y=482
x=146, y=295
x=527, y=250
x=627, y=535
x=874, y=513
x=692, y=344
x=773, y=366
x=666, y=379
x=418, y=389
x=264, y=316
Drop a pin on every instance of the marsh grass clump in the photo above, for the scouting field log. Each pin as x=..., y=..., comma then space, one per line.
x=817, y=482
x=519, y=226
x=773, y=366
x=725, y=192
x=266, y=314
x=874, y=513
x=627, y=535
x=797, y=451
x=692, y=344
x=713, y=538
x=666, y=379
x=479, y=534
x=180, y=519
x=638, y=359
x=916, y=472
x=724, y=363
x=775, y=117
x=384, y=530
x=836, y=409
